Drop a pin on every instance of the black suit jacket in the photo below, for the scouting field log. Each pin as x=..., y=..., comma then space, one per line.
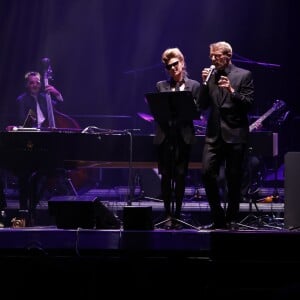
x=187, y=129
x=228, y=113
x=26, y=102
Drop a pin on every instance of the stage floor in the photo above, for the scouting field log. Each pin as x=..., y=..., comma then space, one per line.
x=84, y=262
x=211, y=244
x=169, y=263
x=194, y=212
x=61, y=230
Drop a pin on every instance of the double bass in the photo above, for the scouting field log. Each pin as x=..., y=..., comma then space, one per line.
x=55, y=119
x=61, y=122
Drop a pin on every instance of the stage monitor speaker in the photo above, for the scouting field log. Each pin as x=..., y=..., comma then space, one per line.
x=73, y=212
x=292, y=190
x=137, y=218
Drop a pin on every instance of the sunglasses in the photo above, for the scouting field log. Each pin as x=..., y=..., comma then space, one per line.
x=169, y=67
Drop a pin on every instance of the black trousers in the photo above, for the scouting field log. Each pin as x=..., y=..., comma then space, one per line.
x=173, y=159
x=232, y=155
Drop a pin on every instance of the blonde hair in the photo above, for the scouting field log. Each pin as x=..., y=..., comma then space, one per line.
x=171, y=53
x=223, y=46
x=32, y=73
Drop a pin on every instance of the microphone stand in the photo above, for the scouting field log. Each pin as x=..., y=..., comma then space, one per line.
x=131, y=186
x=130, y=179
x=96, y=130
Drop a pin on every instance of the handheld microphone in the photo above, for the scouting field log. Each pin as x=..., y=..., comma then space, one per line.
x=211, y=69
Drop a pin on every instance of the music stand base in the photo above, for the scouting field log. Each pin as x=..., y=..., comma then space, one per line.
x=174, y=224
x=152, y=199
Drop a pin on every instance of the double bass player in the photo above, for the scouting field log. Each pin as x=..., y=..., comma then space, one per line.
x=33, y=106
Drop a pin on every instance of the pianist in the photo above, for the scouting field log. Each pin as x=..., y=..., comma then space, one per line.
x=33, y=102
x=32, y=112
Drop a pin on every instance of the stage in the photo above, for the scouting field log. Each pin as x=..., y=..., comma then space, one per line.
x=89, y=262
x=259, y=259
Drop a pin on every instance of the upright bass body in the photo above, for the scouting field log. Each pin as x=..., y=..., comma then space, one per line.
x=58, y=121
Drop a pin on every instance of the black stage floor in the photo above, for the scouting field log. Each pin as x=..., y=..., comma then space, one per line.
x=168, y=263
x=260, y=260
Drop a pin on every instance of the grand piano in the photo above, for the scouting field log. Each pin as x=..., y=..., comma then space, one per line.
x=36, y=150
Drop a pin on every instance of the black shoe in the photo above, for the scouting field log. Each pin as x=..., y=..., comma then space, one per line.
x=214, y=226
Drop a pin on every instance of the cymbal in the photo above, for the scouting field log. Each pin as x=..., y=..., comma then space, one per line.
x=146, y=117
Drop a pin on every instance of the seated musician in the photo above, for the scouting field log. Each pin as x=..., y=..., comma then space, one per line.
x=34, y=100
x=32, y=107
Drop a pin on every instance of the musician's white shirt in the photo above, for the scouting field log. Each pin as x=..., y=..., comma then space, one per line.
x=40, y=116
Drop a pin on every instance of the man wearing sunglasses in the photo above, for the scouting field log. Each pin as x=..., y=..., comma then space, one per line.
x=173, y=157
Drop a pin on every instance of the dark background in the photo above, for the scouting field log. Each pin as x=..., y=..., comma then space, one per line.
x=106, y=55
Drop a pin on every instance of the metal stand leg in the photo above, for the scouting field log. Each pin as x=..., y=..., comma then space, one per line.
x=256, y=221
x=69, y=180
x=172, y=221
x=64, y=182
x=139, y=181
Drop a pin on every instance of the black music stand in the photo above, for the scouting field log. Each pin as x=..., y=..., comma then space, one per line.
x=173, y=108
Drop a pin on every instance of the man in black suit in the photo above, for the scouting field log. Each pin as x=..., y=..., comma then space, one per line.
x=228, y=93
x=175, y=139
x=32, y=106
x=34, y=100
